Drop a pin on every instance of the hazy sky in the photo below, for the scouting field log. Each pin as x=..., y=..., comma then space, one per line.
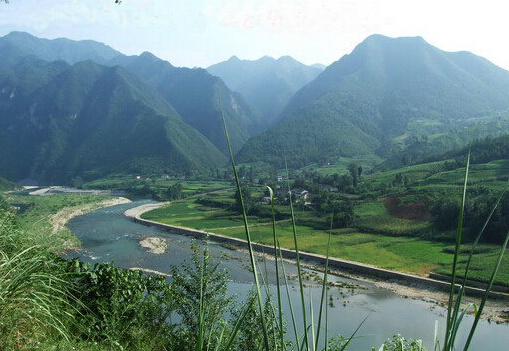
x=202, y=32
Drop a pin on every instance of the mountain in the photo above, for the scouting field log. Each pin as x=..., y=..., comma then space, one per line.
x=267, y=83
x=89, y=120
x=71, y=51
x=380, y=97
x=194, y=93
x=199, y=98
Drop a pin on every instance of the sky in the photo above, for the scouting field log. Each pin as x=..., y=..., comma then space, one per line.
x=199, y=33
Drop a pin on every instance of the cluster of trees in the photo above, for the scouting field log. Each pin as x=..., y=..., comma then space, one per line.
x=331, y=204
x=314, y=182
x=446, y=211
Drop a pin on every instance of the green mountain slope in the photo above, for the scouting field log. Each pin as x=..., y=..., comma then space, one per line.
x=193, y=92
x=267, y=83
x=379, y=97
x=198, y=97
x=90, y=120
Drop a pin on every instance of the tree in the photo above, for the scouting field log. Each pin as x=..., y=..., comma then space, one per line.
x=248, y=201
x=251, y=174
x=175, y=191
x=199, y=287
x=354, y=171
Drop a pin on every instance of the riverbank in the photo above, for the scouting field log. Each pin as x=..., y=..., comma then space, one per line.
x=60, y=219
x=44, y=218
x=403, y=284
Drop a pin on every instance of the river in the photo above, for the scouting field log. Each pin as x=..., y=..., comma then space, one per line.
x=106, y=235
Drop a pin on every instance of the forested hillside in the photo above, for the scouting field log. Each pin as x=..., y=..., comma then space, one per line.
x=199, y=98
x=381, y=96
x=195, y=94
x=90, y=120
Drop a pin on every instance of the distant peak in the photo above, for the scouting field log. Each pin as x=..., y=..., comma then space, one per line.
x=266, y=58
x=381, y=37
x=286, y=58
x=234, y=58
x=147, y=54
x=19, y=34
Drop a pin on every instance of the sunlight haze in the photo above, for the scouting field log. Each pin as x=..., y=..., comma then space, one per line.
x=203, y=32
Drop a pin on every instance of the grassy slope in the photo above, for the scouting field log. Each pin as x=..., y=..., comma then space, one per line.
x=37, y=220
x=6, y=184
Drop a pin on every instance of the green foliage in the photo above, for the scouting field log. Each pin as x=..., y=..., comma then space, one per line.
x=201, y=275
x=327, y=203
x=249, y=336
x=246, y=197
x=117, y=305
x=38, y=220
x=33, y=289
x=445, y=212
x=6, y=185
x=399, y=343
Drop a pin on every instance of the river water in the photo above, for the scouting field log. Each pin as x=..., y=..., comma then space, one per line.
x=106, y=235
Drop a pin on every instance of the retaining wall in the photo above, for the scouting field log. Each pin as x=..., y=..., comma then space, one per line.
x=319, y=260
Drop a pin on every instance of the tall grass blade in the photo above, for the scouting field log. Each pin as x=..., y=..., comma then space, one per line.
x=326, y=320
x=312, y=326
x=455, y=320
x=276, y=259
x=455, y=260
x=292, y=314
x=248, y=236
x=269, y=298
x=236, y=328
x=303, y=303
x=353, y=334
x=324, y=285
x=486, y=292
x=457, y=324
x=199, y=343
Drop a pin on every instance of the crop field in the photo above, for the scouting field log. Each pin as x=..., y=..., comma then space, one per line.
x=396, y=251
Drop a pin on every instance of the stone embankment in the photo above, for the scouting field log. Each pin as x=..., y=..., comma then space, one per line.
x=313, y=259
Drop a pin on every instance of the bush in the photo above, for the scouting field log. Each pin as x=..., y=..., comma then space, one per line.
x=399, y=343
x=120, y=306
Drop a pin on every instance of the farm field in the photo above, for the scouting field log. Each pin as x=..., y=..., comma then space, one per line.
x=397, y=252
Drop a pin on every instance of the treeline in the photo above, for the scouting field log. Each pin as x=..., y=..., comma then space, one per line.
x=481, y=151
x=446, y=211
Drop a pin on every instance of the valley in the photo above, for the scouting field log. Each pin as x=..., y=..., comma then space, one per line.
x=394, y=158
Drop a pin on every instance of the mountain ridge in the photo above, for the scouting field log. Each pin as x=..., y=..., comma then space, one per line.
x=266, y=83
x=388, y=89
x=203, y=114
x=91, y=120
